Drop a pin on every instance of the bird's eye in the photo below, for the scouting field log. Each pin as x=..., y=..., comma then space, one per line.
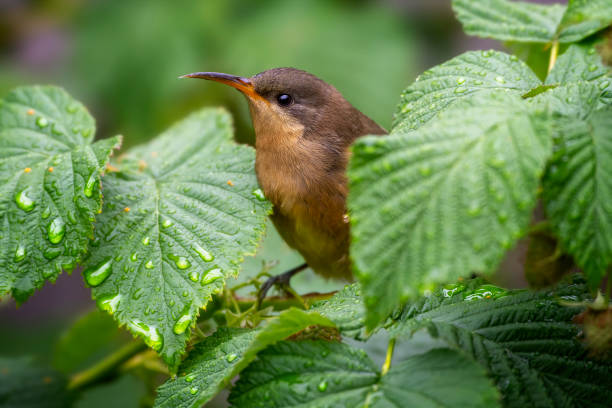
x=284, y=99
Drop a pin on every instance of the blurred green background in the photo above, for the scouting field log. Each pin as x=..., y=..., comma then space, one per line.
x=122, y=59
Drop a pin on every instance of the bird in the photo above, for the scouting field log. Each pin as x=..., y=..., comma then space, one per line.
x=304, y=128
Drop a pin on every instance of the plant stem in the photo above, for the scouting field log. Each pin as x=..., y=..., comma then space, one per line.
x=389, y=356
x=103, y=368
x=281, y=302
x=554, y=50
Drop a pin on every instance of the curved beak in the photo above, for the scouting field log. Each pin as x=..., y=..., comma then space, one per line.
x=242, y=84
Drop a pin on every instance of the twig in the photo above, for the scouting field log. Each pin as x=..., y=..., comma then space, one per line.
x=553, y=55
x=105, y=367
x=389, y=357
x=283, y=302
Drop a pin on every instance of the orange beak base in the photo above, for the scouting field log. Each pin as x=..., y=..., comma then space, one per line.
x=242, y=84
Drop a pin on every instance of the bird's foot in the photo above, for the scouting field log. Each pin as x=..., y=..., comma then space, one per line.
x=282, y=282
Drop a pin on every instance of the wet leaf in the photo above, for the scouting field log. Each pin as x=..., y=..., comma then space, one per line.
x=49, y=186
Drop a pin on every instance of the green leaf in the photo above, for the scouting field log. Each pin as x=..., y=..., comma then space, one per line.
x=423, y=381
x=509, y=20
x=213, y=363
x=578, y=181
x=346, y=310
x=577, y=64
x=526, y=340
x=176, y=223
x=583, y=18
x=527, y=22
x=26, y=384
x=49, y=186
x=86, y=341
x=321, y=374
x=444, y=84
x=446, y=200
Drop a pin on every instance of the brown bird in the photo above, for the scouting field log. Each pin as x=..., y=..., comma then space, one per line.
x=303, y=130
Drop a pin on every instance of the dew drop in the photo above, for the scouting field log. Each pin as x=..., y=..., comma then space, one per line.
x=478, y=82
x=89, y=186
x=56, y=230
x=42, y=122
x=460, y=80
x=193, y=276
x=592, y=67
x=72, y=108
x=45, y=213
x=204, y=254
x=181, y=324
x=96, y=275
x=134, y=256
x=180, y=261
x=514, y=58
x=109, y=303
x=211, y=276
x=500, y=79
x=23, y=201
x=146, y=240
x=231, y=357
x=52, y=253
x=189, y=378
x=193, y=390
x=150, y=335
x=167, y=223
x=259, y=194
x=20, y=253
x=452, y=289
x=322, y=386
x=149, y=265
x=460, y=89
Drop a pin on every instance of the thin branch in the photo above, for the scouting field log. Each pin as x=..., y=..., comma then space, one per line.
x=105, y=367
x=284, y=302
x=554, y=50
x=389, y=357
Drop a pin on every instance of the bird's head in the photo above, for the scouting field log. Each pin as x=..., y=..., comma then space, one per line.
x=288, y=98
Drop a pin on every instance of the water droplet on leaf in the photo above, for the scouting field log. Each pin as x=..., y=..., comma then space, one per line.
x=231, y=357
x=52, y=253
x=259, y=194
x=56, y=230
x=150, y=335
x=204, y=254
x=96, y=275
x=211, y=276
x=180, y=261
x=181, y=324
x=42, y=122
x=45, y=213
x=89, y=186
x=20, y=253
x=23, y=201
x=109, y=303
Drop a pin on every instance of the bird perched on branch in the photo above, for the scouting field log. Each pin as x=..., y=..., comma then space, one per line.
x=303, y=130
